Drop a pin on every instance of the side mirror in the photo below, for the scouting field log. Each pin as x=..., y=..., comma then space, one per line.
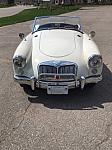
x=21, y=35
x=92, y=34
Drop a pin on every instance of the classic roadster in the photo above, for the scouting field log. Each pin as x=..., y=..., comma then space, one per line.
x=57, y=56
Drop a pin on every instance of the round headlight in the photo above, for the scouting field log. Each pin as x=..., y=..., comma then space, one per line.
x=19, y=61
x=95, y=61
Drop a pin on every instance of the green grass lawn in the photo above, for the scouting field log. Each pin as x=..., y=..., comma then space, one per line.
x=30, y=14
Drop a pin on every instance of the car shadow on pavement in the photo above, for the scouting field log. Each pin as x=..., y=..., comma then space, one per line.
x=89, y=98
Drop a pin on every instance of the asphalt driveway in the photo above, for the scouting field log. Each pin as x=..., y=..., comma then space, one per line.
x=9, y=11
x=79, y=121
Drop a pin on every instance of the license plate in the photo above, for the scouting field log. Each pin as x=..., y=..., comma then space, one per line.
x=57, y=89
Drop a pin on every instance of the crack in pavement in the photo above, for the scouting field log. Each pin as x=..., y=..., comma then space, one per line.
x=15, y=128
x=107, y=132
x=1, y=77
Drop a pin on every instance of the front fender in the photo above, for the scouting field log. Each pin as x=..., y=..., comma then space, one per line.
x=25, y=50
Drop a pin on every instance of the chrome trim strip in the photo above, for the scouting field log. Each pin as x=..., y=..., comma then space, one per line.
x=33, y=82
x=71, y=85
x=93, y=79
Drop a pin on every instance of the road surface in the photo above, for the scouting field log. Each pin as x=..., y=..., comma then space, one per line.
x=9, y=11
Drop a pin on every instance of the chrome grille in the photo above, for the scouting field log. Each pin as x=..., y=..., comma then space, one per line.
x=68, y=69
x=47, y=69
x=60, y=72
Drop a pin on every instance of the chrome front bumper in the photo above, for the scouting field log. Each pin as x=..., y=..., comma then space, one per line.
x=40, y=84
x=25, y=80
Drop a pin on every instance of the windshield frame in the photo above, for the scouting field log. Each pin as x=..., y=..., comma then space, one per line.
x=62, y=20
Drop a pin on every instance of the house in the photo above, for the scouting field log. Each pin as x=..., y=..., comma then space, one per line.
x=3, y=1
x=24, y=2
x=29, y=2
x=7, y=1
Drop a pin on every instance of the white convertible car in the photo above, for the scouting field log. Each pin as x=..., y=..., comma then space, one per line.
x=57, y=56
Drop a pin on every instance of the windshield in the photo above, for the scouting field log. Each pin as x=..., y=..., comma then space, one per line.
x=57, y=22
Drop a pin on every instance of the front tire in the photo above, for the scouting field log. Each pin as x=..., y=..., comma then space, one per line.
x=27, y=89
x=91, y=85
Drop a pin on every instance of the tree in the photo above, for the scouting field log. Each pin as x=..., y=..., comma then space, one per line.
x=96, y=1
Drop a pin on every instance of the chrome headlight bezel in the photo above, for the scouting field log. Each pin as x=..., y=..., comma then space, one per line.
x=19, y=61
x=95, y=61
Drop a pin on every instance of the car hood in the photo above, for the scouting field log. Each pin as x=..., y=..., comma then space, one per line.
x=57, y=43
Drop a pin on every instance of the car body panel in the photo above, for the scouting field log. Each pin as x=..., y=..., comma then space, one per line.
x=57, y=45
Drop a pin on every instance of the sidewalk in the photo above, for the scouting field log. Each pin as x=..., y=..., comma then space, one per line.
x=4, y=12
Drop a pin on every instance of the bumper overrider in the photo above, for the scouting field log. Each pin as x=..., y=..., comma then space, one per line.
x=33, y=82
